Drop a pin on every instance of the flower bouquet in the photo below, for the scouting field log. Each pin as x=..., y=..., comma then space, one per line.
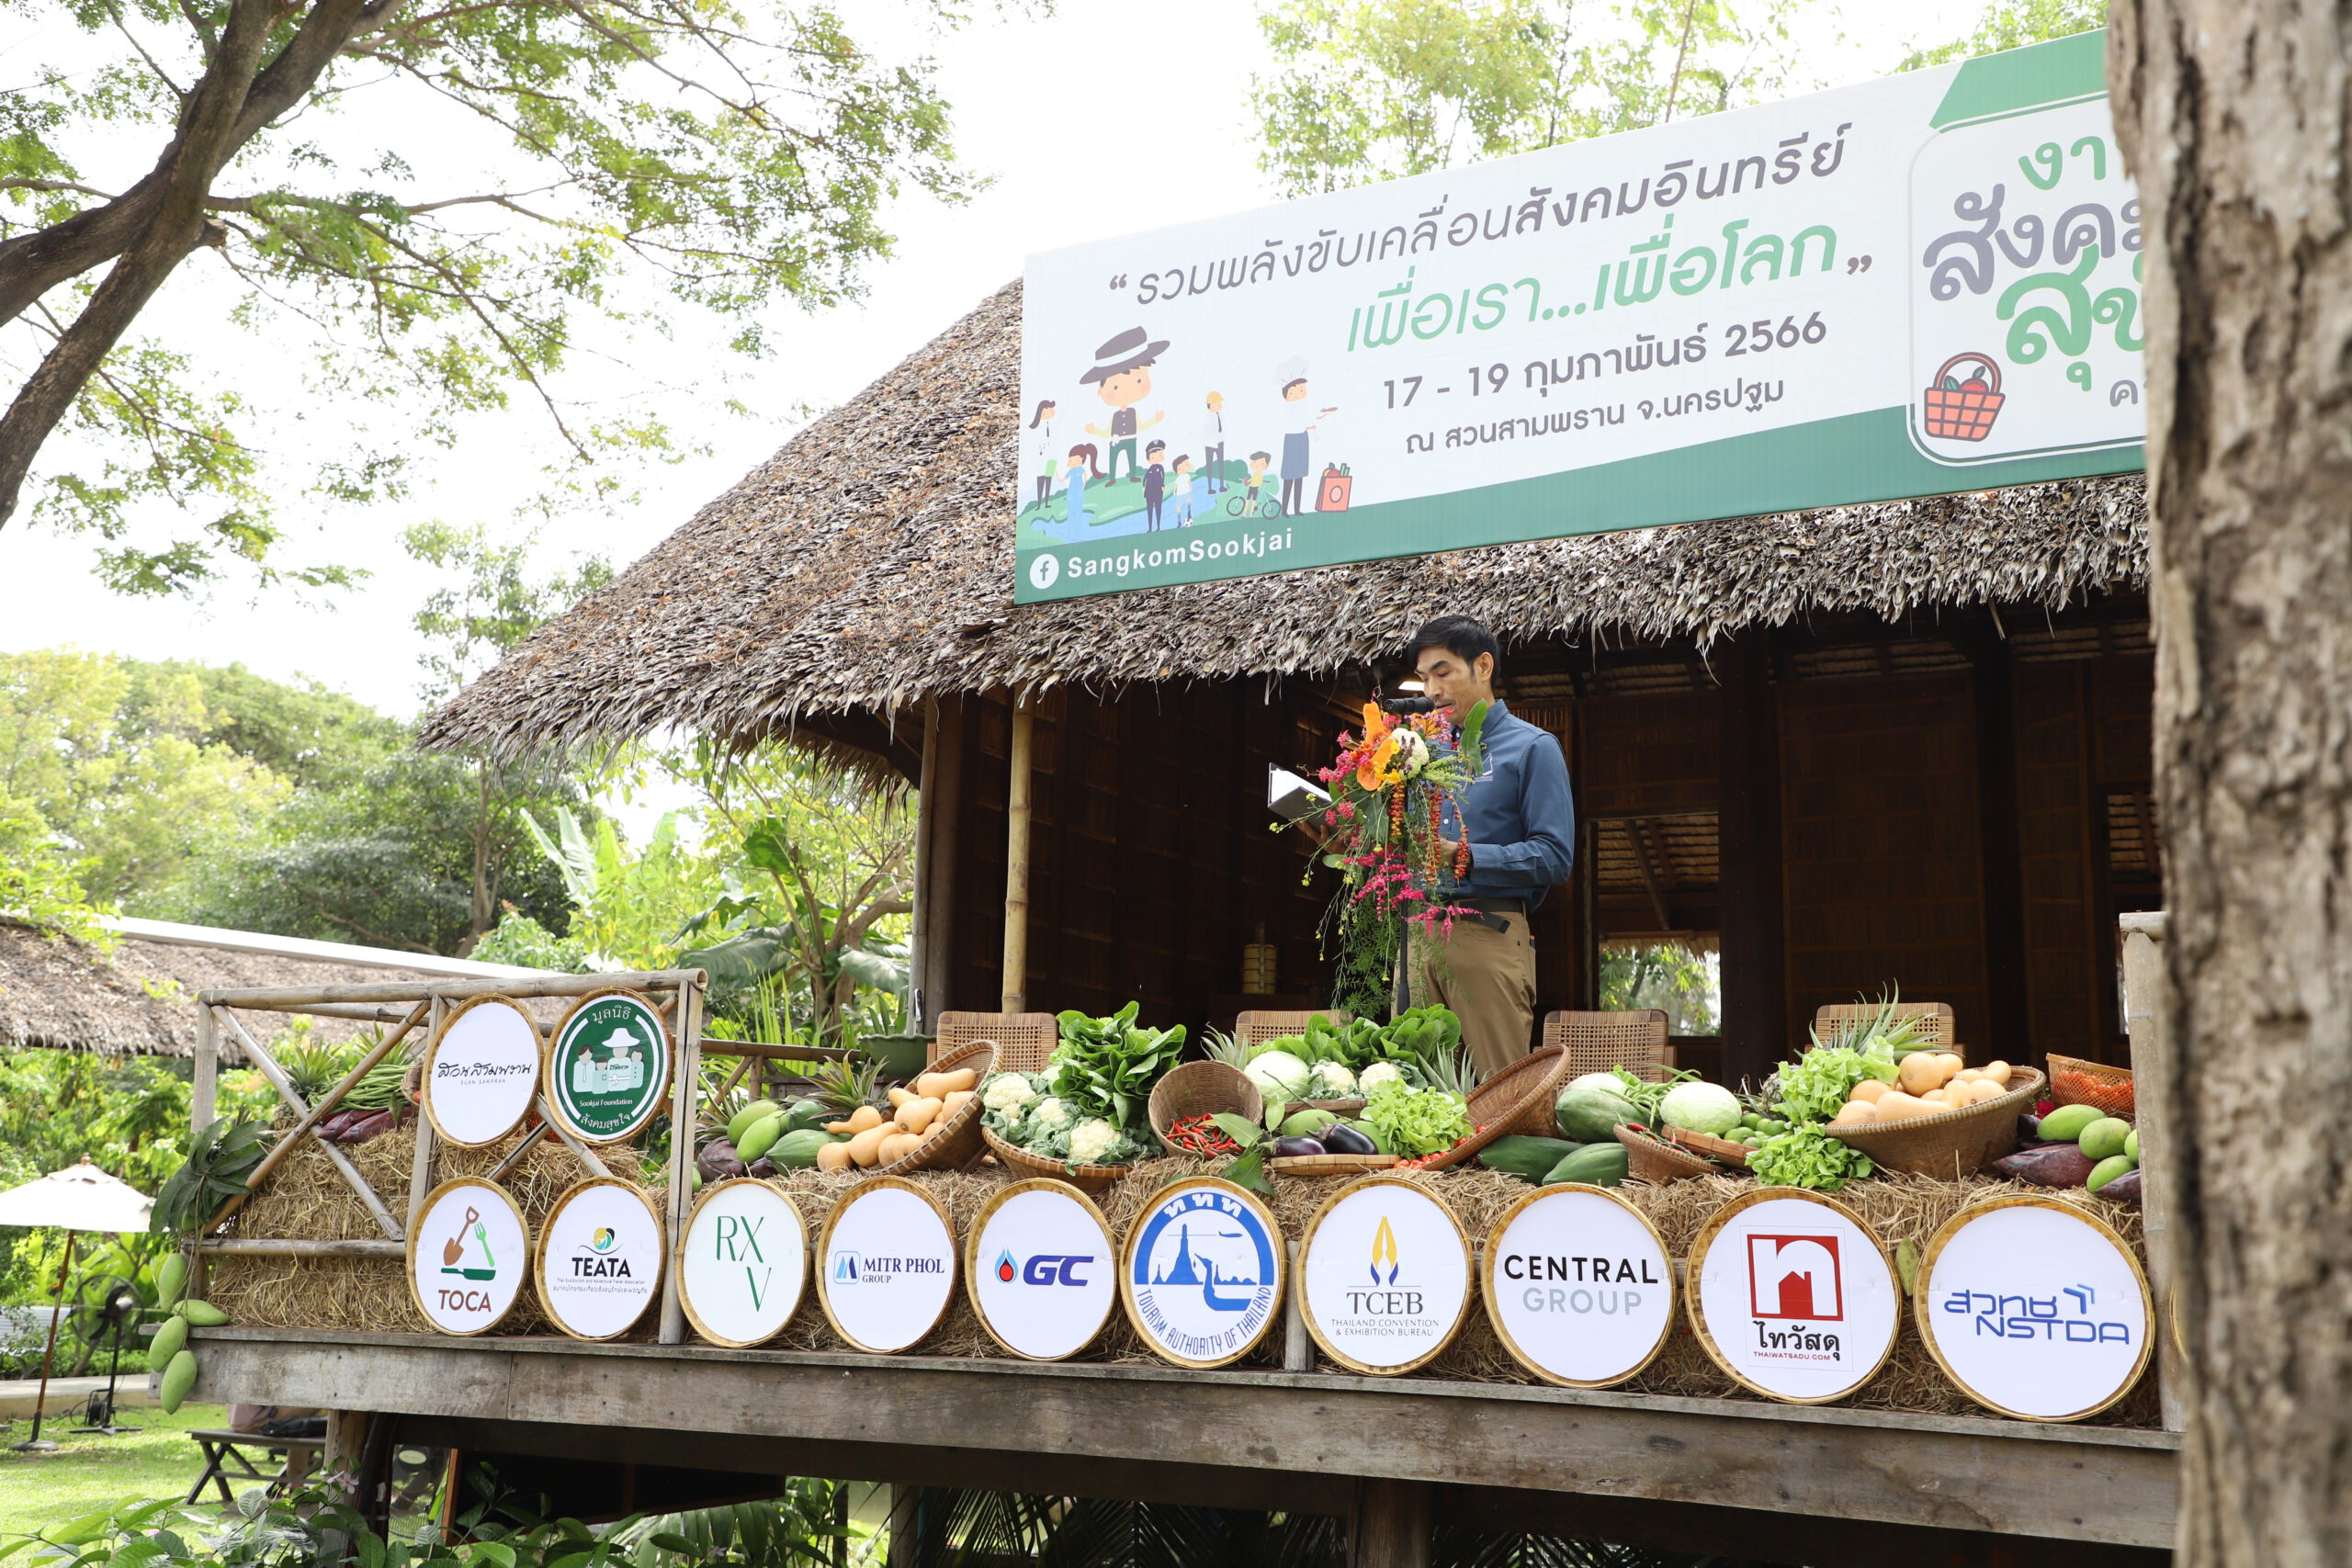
x=1396, y=793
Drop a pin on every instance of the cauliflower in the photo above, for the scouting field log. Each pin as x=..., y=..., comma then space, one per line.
x=1096, y=1142
x=1377, y=1074
x=1050, y=1115
x=1333, y=1081
x=1005, y=1098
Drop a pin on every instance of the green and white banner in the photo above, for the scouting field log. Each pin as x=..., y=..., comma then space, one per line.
x=1920, y=285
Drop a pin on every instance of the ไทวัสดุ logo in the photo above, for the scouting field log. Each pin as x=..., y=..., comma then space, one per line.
x=1796, y=1298
x=1795, y=1276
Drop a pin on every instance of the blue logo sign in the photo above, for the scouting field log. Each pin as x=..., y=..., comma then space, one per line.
x=1204, y=1276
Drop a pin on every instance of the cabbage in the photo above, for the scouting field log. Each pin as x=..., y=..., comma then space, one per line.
x=1279, y=1073
x=1608, y=1080
x=1701, y=1108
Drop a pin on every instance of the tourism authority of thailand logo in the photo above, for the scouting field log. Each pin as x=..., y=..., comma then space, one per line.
x=1204, y=1274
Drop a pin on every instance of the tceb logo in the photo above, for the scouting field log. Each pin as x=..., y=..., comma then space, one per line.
x=1388, y=1276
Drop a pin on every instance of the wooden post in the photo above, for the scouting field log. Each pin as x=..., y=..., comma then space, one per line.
x=943, y=815
x=204, y=1099
x=2008, y=1033
x=686, y=1089
x=2143, y=1019
x=1299, y=1345
x=1755, y=950
x=1016, y=862
x=420, y=1170
x=926, y=780
x=1388, y=1524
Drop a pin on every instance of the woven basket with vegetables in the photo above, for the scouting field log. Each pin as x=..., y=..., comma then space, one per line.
x=1085, y=1117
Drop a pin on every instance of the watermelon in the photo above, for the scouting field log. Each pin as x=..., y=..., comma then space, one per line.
x=1589, y=1115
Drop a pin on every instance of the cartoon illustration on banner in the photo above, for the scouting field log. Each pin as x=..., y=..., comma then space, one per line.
x=1925, y=283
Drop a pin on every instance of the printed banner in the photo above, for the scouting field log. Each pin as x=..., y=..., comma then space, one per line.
x=744, y=1264
x=1924, y=284
x=1578, y=1286
x=1386, y=1275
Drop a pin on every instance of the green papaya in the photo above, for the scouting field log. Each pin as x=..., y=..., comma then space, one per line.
x=1305, y=1124
x=1596, y=1165
x=751, y=1116
x=1590, y=1115
x=1527, y=1159
x=797, y=1150
x=807, y=1113
x=169, y=1341
x=179, y=1377
x=203, y=1314
x=2065, y=1124
x=760, y=1139
x=171, y=1277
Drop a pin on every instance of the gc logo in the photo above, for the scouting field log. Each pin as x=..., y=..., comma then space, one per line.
x=1044, y=1270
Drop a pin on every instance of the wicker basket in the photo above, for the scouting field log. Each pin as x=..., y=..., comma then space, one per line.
x=1258, y=1026
x=1516, y=1101
x=1197, y=1087
x=1596, y=1042
x=1646, y=1159
x=1949, y=1145
x=1721, y=1150
x=1023, y=1040
x=1328, y=1165
x=1085, y=1178
x=959, y=1145
x=2073, y=1081
x=1350, y=1108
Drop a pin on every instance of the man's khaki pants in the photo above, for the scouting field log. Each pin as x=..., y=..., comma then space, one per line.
x=1487, y=977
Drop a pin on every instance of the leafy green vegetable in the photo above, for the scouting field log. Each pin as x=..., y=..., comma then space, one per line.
x=1807, y=1156
x=1106, y=1066
x=1411, y=1121
x=1822, y=1079
x=219, y=1157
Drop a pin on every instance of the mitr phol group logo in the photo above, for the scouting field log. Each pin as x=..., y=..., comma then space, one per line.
x=1795, y=1276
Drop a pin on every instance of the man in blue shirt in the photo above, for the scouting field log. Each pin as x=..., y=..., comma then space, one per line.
x=1519, y=823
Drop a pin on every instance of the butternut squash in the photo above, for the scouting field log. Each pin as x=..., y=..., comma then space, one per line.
x=917, y=1114
x=834, y=1156
x=953, y=1102
x=1867, y=1090
x=1901, y=1107
x=896, y=1147
x=899, y=1095
x=1855, y=1114
x=1921, y=1071
x=837, y=1128
x=863, y=1119
x=866, y=1147
x=1998, y=1072
x=938, y=1085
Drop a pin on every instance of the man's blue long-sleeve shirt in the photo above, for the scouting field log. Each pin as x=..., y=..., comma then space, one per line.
x=1518, y=817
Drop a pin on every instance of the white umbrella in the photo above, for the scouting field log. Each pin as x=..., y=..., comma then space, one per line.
x=79, y=1198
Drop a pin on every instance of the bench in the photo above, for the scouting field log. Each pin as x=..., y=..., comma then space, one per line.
x=224, y=1448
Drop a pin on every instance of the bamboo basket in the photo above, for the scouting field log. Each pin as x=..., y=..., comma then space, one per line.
x=1721, y=1150
x=1087, y=1178
x=1649, y=1160
x=959, y=1145
x=1193, y=1088
x=2073, y=1081
x=1330, y=1164
x=1951, y=1146
x=1516, y=1099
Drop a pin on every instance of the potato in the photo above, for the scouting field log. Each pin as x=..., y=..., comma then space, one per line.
x=865, y=1119
x=1901, y=1107
x=834, y=1156
x=896, y=1147
x=1998, y=1072
x=937, y=1085
x=900, y=1095
x=917, y=1114
x=1921, y=1071
x=1855, y=1114
x=1869, y=1089
x=866, y=1147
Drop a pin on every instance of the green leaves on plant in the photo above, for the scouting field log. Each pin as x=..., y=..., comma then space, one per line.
x=219, y=1157
x=1106, y=1066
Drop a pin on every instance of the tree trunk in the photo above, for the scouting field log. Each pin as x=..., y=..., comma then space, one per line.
x=2234, y=118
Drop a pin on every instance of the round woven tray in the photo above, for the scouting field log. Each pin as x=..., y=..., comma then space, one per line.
x=1336, y=1107
x=1516, y=1099
x=1085, y=1178
x=1949, y=1145
x=959, y=1145
x=1328, y=1165
x=1196, y=1087
x=1646, y=1159
x=1707, y=1144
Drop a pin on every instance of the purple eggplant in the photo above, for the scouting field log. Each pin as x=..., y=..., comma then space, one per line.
x=1297, y=1149
x=1339, y=1138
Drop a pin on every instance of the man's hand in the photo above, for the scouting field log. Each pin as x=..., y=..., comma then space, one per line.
x=1317, y=832
x=1448, y=848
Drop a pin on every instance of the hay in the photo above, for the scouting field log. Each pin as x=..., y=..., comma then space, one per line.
x=306, y=1197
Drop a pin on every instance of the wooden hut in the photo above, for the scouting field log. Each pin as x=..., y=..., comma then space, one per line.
x=1899, y=742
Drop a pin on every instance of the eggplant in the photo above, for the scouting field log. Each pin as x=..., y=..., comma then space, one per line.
x=717, y=1160
x=762, y=1168
x=1341, y=1139
x=1297, y=1148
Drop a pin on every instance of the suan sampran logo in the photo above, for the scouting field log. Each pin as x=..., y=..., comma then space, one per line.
x=1795, y=1276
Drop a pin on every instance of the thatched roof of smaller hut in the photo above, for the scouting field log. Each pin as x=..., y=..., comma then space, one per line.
x=869, y=564
x=140, y=999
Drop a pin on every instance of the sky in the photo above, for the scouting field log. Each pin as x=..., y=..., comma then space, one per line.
x=1031, y=96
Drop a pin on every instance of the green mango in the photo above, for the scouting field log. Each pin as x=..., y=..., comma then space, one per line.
x=761, y=1138
x=2065, y=1124
x=2108, y=1169
x=751, y=1116
x=2105, y=1138
x=171, y=1277
x=203, y=1314
x=179, y=1377
x=169, y=1341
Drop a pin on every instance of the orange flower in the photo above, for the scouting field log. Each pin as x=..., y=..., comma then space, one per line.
x=1373, y=771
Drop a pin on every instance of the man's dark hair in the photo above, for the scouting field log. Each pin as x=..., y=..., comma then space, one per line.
x=1460, y=636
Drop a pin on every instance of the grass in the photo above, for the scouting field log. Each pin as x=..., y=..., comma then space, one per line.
x=85, y=1474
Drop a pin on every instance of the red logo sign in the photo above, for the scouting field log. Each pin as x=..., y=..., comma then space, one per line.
x=1795, y=1276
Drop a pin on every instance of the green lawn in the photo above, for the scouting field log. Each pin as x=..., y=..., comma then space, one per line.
x=88, y=1474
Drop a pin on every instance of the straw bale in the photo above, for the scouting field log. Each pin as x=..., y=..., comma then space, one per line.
x=306, y=1197
x=868, y=564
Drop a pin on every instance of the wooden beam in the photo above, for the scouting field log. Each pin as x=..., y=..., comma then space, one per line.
x=304, y=999
x=1637, y=834
x=2099, y=1485
x=273, y=1246
x=1755, y=948
x=1016, y=967
x=260, y=1061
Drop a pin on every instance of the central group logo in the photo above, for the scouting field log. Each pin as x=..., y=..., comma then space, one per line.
x=1795, y=1276
x=1384, y=1250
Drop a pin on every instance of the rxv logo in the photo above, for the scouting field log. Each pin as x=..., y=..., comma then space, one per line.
x=1046, y=1269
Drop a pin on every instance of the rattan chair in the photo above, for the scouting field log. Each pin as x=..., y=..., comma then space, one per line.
x=1838, y=1019
x=1597, y=1041
x=1024, y=1039
x=1258, y=1026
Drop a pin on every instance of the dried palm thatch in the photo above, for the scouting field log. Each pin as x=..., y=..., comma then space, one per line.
x=306, y=1197
x=868, y=564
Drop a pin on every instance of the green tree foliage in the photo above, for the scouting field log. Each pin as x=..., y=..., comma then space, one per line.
x=731, y=155
x=1367, y=90
x=2013, y=25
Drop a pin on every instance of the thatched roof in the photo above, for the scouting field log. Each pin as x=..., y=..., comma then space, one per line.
x=869, y=564
x=140, y=999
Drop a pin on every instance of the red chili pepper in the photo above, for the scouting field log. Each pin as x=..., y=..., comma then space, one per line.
x=1200, y=1136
